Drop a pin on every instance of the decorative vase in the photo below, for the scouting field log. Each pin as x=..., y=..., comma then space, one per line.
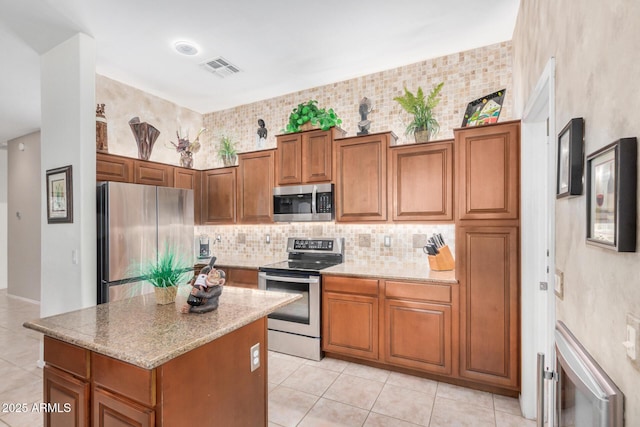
x=145, y=135
x=166, y=295
x=229, y=160
x=101, y=130
x=186, y=159
x=422, y=135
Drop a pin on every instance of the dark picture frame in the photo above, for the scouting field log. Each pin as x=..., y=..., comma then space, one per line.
x=485, y=110
x=612, y=196
x=60, y=195
x=570, y=159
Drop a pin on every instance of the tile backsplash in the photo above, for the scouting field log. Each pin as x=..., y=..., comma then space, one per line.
x=363, y=242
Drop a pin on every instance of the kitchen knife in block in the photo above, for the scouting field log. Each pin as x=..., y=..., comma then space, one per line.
x=442, y=261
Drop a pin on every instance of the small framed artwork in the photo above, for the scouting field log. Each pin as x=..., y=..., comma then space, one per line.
x=485, y=110
x=570, y=159
x=59, y=195
x=611, y=196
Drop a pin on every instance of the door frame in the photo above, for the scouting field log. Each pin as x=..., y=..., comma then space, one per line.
x=538, y=174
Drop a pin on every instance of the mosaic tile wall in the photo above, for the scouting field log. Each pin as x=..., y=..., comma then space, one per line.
x=466, y=75
x=363, y=243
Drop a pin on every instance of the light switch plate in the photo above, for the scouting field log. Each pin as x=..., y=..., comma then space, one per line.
x=632, y=339
x=559, y=284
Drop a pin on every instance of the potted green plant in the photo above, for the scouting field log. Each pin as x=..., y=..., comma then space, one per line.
x=166, y=273
x=307, y=115
x=424, y=125
x=227, y=151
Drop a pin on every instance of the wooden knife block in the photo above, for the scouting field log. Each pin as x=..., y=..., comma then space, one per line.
x=443, y=261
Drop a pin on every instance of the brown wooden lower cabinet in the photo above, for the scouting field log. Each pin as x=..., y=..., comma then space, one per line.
x=111, y=410
x=418, y=335
x=209, y=386
x=350, y=316
x=71, y=395
x=489, y=304
x=241, y=277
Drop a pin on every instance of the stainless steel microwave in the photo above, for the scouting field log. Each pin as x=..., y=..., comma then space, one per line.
x=313, y=202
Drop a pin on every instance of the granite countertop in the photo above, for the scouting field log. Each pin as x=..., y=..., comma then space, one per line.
x=398, y=271
x=251, y=262
x=145, y=334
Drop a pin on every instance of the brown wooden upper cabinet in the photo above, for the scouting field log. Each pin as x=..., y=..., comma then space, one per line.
x=190, y=179
x=421, y=184
x=219, y=196
x=113, y=168
x=305, y=157
x=152, y=173
x=488, y=172
x=256, y=177
x=361, y=177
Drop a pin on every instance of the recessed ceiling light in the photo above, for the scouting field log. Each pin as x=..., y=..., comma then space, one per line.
x=186, y=48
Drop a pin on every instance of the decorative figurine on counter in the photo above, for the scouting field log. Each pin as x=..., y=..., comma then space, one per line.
x=365, y=108
x=206, y=290
x=261, y=137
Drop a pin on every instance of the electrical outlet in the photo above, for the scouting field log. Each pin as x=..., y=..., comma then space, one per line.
x=255, y=356
x=387, y=241
x=267, y=239
x=632, y=343
x=218, y=238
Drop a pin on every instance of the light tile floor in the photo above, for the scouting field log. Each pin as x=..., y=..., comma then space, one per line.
x=301, y=392
x=333, y=392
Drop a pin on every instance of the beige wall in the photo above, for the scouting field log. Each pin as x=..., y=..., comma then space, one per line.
x=466, y=75
x=597, y=67
x=24, y=184
x=123, y=102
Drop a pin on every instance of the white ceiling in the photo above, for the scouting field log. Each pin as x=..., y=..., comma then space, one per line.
x=281, y=46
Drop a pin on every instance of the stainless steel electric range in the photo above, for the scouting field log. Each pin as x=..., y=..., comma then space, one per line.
x=295, y=329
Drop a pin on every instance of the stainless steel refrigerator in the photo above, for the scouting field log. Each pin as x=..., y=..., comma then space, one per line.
x=135, y=222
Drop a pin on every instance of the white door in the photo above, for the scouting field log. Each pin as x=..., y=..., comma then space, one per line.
x=538, y=236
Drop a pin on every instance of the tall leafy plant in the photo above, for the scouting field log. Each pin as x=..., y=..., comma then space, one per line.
x=422, y=109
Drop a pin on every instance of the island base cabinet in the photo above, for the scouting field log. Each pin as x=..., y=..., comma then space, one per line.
x=68, y=396
x=110, y=410
x=211, y=385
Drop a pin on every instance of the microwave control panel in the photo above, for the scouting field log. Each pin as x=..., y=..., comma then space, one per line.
x=324, y=202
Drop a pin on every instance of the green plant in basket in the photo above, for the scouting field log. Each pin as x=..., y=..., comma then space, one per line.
x=424, y=125
x=170, y=269
x=227, y=151
x=309, y=112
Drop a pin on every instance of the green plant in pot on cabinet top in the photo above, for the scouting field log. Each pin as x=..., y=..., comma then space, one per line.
x=424, y=125
x=166, y=274
x=308, y=115
x=227, y=151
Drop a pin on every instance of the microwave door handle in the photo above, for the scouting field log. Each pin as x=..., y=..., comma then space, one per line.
x=311, y=280
x=313, y=199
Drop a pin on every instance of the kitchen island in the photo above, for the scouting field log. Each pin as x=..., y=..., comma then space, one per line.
x=134, y=362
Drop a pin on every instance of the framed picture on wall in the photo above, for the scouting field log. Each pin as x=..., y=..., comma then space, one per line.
x=570, y=159
x=485, y=110
x=611, y=196
x=59, y=195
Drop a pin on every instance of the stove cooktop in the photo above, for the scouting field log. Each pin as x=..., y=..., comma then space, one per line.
x=300, y=265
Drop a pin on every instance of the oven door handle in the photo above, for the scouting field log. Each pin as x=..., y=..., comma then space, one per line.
x=310, y=280
x=314, y=193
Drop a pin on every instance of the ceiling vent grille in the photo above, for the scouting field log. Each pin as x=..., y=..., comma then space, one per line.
x=221, y=67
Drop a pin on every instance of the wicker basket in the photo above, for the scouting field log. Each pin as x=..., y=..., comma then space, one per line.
x=166, y=295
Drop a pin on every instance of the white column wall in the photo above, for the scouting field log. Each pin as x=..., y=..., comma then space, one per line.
x=3, y=218
x=68, y=138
